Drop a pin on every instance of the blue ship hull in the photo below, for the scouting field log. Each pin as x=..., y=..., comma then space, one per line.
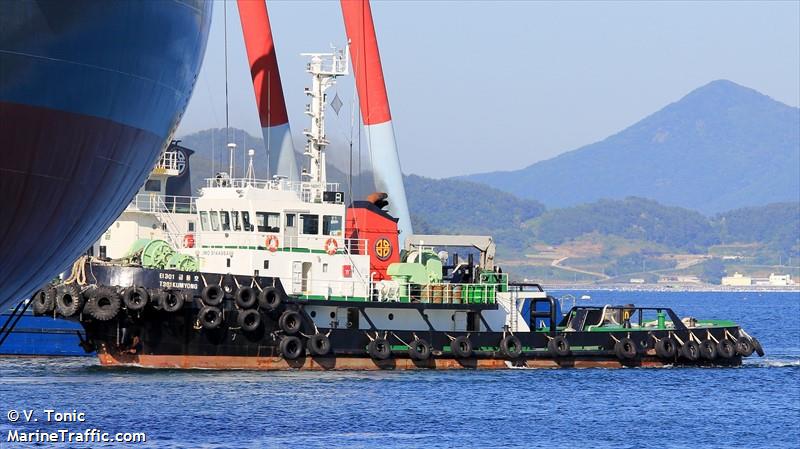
x=43, y=336
x=90, y=92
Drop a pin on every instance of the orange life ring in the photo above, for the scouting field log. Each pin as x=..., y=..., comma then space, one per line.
x=331, y=246
x=188, y=241
x=272, y=243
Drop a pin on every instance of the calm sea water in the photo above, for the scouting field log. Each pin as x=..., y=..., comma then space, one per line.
x=757, y=405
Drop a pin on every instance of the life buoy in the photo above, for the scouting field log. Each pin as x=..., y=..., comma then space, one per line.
x=272, y=243
x=331, y=246
x=188, y=241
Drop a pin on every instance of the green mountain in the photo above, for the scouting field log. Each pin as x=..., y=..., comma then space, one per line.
x=722, y=146
x=632, y=218
x=449, y=206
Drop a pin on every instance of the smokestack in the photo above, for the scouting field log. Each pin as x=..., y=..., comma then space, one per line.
x=375, y=109
x=267, y=86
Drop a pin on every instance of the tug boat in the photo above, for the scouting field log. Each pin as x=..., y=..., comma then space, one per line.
x=277, y=274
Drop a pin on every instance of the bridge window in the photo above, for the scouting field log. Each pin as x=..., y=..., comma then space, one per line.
x=309, y=223
x=236, y=225
x=152, y=185
x=225, y=220
x=332, y=225
x=268, y=221
x=246, y=221
x=214, y=220
x=204, y=225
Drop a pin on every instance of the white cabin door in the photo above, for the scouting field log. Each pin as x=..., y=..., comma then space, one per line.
x=290, y=231
x=297, y=278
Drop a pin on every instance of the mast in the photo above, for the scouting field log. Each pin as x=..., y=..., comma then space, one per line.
x=324, y=69
x=375, y=113
x=267, y=87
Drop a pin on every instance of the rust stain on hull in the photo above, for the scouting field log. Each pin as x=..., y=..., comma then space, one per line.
x=352, y=363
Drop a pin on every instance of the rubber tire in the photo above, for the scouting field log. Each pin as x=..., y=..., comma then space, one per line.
x=172, y=300
x=744, y=347
x=511, y=346
x=757, y=346
x=249, y=320
x=461, y=347
x=290, y=322
x=43, y=302
x=690, y=351
x=708, y=349
x=726, y=349
x=291, y=347
x=379, y=349
x=103, y=304
x=269, y=299
x=319, y=344
x=213, y=295
x=558, y=346
x=245, y=298
x=210, y=317
x=626, y=349
x=69, y=301
x=155, y=298
x=666, y=348
x=135, y=298
x=419, y=349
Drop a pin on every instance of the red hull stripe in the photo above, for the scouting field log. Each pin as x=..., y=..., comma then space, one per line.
x=263, y=62
x=366, y=62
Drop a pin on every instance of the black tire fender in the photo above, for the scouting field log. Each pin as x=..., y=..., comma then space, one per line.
x=291, y=347
x=708, y=349
x=666, y=348
x=626, y=349
x=379, y=349
x=461, y=347
x=419, y=349
x=290, y=321
x=245, y=297
x=249, y=320
x=511, y=346
x=726, y=349
x=269, y=299
x=210, y=317
x=69, y=301
x=103, y=304
x=44, y=301
x=758, y=348
x=319, y=344
x=558, y=346
x=744, y=347
x=690, y=351
x=212, y=295
x=135, y=298
x=172, y=300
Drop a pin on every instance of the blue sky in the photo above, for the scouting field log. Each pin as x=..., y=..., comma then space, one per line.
x=479, y=86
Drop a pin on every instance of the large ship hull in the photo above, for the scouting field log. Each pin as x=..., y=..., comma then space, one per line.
x=90, y=91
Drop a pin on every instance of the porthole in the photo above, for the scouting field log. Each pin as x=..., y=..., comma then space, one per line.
x=391, y=316
x=313, y=313
x=333, y=314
